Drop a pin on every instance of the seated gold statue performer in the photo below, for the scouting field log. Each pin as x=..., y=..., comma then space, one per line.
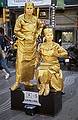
x=27, y=29
x=48, y=72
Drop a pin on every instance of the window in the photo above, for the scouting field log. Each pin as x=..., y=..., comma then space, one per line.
x=67, y=39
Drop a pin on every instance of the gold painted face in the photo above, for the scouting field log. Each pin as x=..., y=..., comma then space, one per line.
x=29, y=7
x=48, y=34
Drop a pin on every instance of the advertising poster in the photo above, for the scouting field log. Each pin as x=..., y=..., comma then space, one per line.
x=13, y=3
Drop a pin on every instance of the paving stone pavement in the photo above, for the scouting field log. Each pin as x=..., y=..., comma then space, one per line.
x=69, y=100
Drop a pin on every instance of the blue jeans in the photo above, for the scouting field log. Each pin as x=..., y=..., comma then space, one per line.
x=4, y=65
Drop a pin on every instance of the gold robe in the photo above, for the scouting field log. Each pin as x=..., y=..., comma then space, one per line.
x=26, y=29
x=49, y=71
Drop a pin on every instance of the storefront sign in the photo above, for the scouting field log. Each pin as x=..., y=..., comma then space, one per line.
x=12, y=3
x=31, y=98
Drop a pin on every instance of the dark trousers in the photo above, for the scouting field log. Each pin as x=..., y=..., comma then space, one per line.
x=3, y=65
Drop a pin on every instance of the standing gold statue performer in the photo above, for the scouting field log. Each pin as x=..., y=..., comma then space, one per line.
x=27, y=29
x=49, y=73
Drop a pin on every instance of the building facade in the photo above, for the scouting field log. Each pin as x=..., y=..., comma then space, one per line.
x=66, y=25
x=66, y=20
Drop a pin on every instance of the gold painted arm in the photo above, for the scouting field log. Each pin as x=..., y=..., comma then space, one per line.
x=17, y=30
x=62, y=52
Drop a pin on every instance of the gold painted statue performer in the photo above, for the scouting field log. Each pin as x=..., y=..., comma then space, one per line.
x=27, y=29
x=48, y=72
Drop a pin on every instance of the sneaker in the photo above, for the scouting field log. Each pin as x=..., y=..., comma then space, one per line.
x=7, y=76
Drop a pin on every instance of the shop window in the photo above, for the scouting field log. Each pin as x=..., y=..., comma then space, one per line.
x=44, y=14
x=67, y=39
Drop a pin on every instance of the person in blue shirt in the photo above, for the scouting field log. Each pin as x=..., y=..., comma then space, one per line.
x=3, y=65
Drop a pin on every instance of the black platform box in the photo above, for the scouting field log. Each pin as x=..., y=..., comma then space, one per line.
x=50, y=104
x=17, y=98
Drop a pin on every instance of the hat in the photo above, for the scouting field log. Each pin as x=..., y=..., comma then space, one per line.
x=48, y=30
x=29, y=4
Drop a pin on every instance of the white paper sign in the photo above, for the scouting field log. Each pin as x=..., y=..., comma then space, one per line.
x=66, y=60
x=31, y=98
x=13, y=3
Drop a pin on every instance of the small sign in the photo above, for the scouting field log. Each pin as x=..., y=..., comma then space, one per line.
x=31, y=98
x=66, y=60
x=60, y=4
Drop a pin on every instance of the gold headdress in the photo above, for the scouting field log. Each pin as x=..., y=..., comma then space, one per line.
x=48, y=30
x=29, y=4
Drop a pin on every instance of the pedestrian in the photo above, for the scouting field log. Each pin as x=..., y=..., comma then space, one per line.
x=48, y=72
x=2, y=38
x=27, y=29
x=3, y=65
